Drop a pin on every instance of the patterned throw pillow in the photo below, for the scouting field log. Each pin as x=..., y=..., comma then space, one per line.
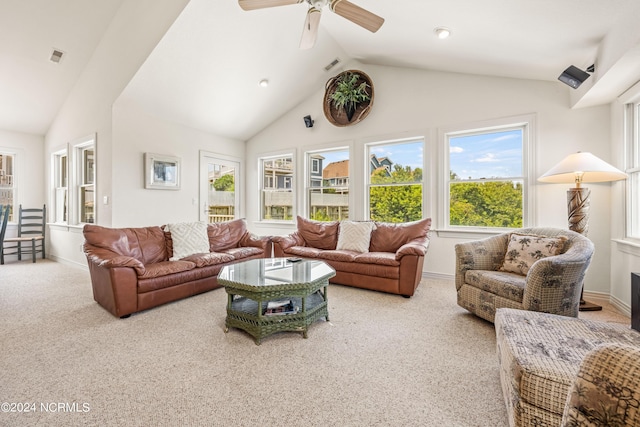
x=525, y=249
x=355, y=236
x=189, y=238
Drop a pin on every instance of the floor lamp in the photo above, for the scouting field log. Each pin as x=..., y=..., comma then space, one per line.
x=581, y=168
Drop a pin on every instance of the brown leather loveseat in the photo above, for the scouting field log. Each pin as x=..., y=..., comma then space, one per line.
x=392, y=264
x=131, y=269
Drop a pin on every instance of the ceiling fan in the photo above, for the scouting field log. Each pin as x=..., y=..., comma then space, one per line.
x=344, y=8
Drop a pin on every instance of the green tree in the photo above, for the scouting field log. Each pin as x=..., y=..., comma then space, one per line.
x=396, y=203
x=486, y=204
x=224, y=183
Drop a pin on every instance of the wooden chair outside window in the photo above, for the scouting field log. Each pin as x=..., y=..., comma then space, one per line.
x=31, y=229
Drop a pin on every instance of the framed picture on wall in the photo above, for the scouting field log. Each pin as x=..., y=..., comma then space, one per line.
x=161, y=172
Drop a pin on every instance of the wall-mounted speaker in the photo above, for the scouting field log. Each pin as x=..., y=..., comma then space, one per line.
x=573, y=76
x=308, y=122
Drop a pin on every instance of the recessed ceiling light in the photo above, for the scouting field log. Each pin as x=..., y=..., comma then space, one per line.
x=442, y=32
x=264, y=83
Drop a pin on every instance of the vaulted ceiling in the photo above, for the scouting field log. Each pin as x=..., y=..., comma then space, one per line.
x=205, y=71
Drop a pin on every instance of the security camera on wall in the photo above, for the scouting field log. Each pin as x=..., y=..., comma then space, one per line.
x=308, y=122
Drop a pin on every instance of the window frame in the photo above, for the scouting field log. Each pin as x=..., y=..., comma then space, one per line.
x=310, y=168
x=76, y=178
x=15, y=181
x=632, y=168
x=262, y=159
x=58, y=186
x=528, y=125
x=367, y=174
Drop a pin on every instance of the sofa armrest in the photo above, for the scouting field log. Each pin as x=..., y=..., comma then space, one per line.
x=282, y=243
x=417, y=247
x=554, y=284
x=607, y=381
x=109, y=259
x=262, y=242
x=484, y=254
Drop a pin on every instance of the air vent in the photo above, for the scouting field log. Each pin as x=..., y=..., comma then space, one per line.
x=332, y=64
x=56, y=56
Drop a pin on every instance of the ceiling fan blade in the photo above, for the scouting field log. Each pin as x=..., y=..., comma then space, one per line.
x=261, y=4
x=310, y=30
x=357, y=15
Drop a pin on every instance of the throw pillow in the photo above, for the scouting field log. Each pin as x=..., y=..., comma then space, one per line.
x=355, y=236
x=525, y=249
x=189, y=238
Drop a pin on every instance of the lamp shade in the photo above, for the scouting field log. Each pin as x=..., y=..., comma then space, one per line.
x=582, y=167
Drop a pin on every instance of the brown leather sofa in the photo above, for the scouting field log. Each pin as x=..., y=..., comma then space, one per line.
x=130, y=268
x=393, y=264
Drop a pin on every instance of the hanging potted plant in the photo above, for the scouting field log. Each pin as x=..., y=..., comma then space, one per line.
x=350, y=91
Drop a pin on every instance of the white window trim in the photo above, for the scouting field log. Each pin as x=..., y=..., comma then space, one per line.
x=367, y=173
x=75, y=170
x=229, y=161
x=631, y=134
x=304, y=209
x=528, y=209
x=17, y=177
x=276, y=155
x=55, y=175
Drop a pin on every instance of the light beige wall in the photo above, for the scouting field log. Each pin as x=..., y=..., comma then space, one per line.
x=410, y=102
x=134, y=32
x=134, y=133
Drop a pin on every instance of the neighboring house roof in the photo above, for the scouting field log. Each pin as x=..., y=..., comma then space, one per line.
x=336, y=170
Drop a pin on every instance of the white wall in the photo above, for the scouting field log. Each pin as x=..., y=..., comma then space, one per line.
x=136, y=132
x=134, y=32
x=411, y=102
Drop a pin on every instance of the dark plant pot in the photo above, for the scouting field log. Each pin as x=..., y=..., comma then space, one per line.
x=350, y=111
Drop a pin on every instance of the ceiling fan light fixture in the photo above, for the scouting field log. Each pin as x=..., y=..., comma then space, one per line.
x=442, y=32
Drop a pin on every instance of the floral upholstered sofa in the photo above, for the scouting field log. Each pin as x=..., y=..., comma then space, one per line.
x=562, y=371
x=537, y=269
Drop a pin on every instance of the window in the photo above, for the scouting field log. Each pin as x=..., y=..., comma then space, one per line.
x=395, y=181
x=86, y=184
x=8, y=181
x=486, y=179
x=327, y=185
x=220, y=187
x=277, y=196
x=633, y=169
x=61, y=186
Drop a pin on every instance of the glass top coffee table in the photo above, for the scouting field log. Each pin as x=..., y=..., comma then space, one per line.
x=272, y=295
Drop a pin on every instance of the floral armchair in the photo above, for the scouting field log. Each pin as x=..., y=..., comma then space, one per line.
x=538, y=269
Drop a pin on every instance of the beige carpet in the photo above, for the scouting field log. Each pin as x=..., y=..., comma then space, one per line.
x=382, y=360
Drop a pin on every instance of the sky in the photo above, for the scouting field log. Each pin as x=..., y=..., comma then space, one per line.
x=487, y=155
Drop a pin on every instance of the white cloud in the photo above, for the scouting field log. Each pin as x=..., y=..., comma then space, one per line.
x=456, y=150
x=489, y=157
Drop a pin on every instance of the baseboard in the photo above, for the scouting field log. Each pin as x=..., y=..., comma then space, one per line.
x=620, y=306
x=68, y=262
x=601, y=298
x=437, y=276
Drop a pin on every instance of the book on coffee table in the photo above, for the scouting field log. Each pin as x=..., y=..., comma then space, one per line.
x=280, y=307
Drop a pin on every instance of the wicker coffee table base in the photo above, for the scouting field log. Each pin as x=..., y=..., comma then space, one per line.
x=243, y=312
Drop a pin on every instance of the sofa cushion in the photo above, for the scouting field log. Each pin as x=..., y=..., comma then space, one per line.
x=388, y=237
x=505, y=284
x=337, y=255
x=188, y=238
x=354, y=235
x=317, y=234
x=525, y=249
x=382, y=258
x=211, y=258
x=304, y=251
x=166, y=267
x=226, y=235
x=244, y=252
